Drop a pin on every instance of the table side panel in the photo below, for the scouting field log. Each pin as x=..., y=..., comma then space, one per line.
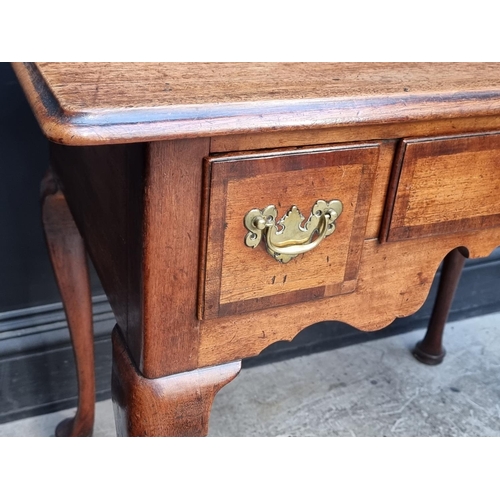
x=103, y=186
x=394, y=281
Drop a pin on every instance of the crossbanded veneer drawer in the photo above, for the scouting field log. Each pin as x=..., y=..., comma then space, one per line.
x=235, y=278
x=445, y=185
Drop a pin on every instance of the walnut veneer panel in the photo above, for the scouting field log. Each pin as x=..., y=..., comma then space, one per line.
x=446, y=185
x=240, y=279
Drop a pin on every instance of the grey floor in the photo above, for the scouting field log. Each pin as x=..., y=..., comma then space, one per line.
x=370, y=389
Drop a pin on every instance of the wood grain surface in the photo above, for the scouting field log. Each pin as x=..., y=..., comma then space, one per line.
x=95, y=103
x=171, y=236
x=445, y=185
x=394, y=281
x=240, y=279
x=104, y=190
x=339, y=134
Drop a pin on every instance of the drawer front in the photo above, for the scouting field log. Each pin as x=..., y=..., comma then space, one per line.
x=445, y=185
x=236, y=278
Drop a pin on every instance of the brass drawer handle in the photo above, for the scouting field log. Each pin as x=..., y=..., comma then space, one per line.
x=288, y=237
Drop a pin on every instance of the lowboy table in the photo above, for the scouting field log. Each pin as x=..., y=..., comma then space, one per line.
x=228, y=206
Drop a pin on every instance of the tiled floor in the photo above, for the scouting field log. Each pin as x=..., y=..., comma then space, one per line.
x=371, y=389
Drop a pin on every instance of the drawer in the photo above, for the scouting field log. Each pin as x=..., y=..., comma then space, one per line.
x=444, y=185
x=237, y=274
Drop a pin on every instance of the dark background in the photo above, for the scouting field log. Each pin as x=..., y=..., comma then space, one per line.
x=36, y=362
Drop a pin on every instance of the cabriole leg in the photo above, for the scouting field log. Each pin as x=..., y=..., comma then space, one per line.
x=430, y=350
x=176, y=405
x=69, y=261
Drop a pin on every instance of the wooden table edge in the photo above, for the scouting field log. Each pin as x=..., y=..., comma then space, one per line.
x=120, y=125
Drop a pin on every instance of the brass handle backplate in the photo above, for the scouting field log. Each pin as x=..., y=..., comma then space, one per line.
x=289, y=237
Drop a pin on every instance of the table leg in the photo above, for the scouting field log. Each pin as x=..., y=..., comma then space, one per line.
x=69, y=260
x=430, y=350
x=175, y=405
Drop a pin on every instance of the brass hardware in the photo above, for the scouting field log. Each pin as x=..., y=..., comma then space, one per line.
x=289, y=237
